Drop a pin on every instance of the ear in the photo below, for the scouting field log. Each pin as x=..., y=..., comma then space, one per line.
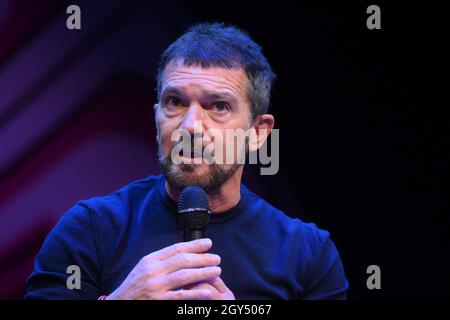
x=155, y=108
x=260, y=130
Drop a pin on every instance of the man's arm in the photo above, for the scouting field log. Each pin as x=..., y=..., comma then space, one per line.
x=70, y=243
x=326, y=279
x=159, y=275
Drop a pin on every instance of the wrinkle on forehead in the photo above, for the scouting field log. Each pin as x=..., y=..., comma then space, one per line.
x=234, y=80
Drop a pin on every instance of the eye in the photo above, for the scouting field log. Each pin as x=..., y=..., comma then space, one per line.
x=172, y=101
x=221, y=106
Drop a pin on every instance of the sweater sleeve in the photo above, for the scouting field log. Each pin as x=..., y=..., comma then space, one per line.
x=70, y=247
x=326, y=278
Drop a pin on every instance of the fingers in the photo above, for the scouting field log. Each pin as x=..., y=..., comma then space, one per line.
x=189, y=260
x=184, y=277
x=214, y=294
x=171, y=268
x=219, y=291
x=198, y=294
x=219, y=285
x=195, y=246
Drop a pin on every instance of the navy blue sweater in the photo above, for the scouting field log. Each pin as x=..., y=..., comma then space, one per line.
x=265, y=254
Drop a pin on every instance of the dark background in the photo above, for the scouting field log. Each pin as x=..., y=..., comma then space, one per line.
x=364, y=137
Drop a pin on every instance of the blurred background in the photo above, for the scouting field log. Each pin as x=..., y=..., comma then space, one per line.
x=364, y=149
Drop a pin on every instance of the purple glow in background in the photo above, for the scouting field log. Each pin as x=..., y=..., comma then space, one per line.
x=362, y=154
x=76, y=114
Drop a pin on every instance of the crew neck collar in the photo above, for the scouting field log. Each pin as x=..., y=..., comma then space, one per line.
x=215, y=217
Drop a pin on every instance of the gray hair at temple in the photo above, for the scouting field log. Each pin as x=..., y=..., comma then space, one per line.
x=219, y=45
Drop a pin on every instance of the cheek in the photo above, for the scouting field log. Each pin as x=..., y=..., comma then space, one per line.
x=165, y=130
x=231, y=146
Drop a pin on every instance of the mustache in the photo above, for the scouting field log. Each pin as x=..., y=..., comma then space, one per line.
x=194, y=141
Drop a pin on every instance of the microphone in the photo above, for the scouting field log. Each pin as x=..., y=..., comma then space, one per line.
x=193, y=212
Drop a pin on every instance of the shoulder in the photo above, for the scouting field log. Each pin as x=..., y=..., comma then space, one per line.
x=135, y=190
x=106, y=213
x=265, y=211
x=121, y=201
x=310, y=249
x=306, y=236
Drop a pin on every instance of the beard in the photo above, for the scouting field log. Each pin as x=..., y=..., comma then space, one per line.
x=183, y=175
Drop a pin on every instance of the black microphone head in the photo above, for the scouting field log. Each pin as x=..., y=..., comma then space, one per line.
x=193, y=197
x=193, y=212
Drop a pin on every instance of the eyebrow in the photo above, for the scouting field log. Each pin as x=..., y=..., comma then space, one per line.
x=222, y=95
x=214, y=94
x=172, y=90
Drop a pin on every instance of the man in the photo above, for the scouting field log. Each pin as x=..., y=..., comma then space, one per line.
x=127, y=245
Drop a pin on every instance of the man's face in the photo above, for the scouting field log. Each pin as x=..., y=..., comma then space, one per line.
x=216, y=99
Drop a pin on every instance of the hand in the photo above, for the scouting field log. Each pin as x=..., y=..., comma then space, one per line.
x=217, y=288
x=159, y=275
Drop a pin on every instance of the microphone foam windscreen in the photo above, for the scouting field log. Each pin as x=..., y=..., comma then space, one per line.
x=193, y=197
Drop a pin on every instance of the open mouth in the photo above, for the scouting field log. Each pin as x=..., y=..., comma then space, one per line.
x=192, y=153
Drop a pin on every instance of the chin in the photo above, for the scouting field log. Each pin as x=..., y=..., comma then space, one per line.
x=191, y=170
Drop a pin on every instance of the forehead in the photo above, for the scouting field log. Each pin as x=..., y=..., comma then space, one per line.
x=214, y=78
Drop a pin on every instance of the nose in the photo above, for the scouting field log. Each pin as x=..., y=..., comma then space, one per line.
x=193, y=114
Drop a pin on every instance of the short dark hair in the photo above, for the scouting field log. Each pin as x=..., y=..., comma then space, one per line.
x=220, y=45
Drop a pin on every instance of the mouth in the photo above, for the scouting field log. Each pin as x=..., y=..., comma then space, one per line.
x=193, y=153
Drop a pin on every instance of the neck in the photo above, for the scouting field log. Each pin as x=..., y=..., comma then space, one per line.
x=220, y=199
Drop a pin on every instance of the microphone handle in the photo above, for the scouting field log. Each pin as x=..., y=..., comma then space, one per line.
x=193, y=234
